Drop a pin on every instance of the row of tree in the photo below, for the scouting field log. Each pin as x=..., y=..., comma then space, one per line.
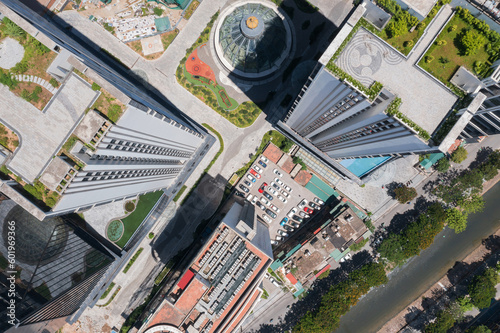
x=340, y=298
x=480, y=292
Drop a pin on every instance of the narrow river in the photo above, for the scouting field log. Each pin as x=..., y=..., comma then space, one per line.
x=410, y=281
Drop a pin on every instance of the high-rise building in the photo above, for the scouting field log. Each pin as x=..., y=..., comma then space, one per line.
x=152, y=146
x=49, y=271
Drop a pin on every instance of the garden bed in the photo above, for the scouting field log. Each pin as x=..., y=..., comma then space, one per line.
x=33, y=93
x=190, y=10
x=166, y=38
x=8, y=138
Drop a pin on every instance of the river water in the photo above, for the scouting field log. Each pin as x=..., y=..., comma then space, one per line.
x=420, y=273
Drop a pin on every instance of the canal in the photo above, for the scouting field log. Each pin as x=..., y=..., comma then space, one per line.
x=420, y=273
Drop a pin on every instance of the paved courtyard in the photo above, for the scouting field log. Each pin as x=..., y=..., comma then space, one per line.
x=368, y=59
x=11, y=52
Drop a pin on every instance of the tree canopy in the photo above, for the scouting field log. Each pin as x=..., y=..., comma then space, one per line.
x=404, y=194
x=459, y=155
x=442, y=165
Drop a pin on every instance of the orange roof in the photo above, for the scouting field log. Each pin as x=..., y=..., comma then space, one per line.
x=291, y=278
x=168, y=314
x=191, y=296
x=303, y=177
x=288, y=165
x=273, y=153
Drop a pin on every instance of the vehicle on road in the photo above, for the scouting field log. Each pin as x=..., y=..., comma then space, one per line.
x=266, y=218
x=304, y=215
x=252, y=179
x=247, y=183
x=298, y=219
x=292, y=212
x=255, y=173
x=264, y=165
x=261, y=206
x=264, y=159
x=267, y=195
x=308, y=210
x=276, y=209
x=244, y=188
x=271, y=213
x=318, y=201
x=264, y=201
x=258, y=169
x=276, y=171
x=282, y=233
x=282, y=199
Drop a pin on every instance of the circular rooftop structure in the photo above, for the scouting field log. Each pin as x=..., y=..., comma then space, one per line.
x=252, y=39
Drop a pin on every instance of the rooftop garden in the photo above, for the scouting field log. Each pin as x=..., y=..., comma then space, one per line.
x=36, y=59
x=166, y=38
x=465, y=41
x=213, y=94
x=393, y=110
x=404, y=30
x=8, y=138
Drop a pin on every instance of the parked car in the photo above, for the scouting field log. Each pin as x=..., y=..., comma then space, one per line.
x=276, y=209
x=264, y=201
x=318, y=201
x=288, y=228
x=292, y=212
x=286, y=195
x=282, y=233
x=249, y=197
x=308, y=210
x=264, y=159
x=239, y=194
x=278, y=238
x=247, y=183
x=288, y=188
x=278, y=181
x=273, y=242
x=255, y=173
x=273, y=184
x=254, y=200
x=262, y=163
x=282, y=199
x=302, y=204
x=256, y=168
x=272, y=191
x=313, y=205
x=276, y=171
x=298, y=219
x=252, y=179
x=295, y=225
x=244, y=188
x=271, y=213
x=304, y=215
x=266, y=218
x=261, y=189
x=261, y=206
x=284, y=221
x=267, y=195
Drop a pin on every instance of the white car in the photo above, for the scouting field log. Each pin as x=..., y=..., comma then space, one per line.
x=286, y=195
x=266, y=218
x=264, y=201
x=277, y=172
x=252, y=178
x=273, y=242
x=303, y=203
x=261, y=206
x=288, y=188
x=278, y=238
x=277, y=180
x=292, y=212
x=282, y=233
x=282, y=199
x=254, y=200
x=272, y=191
x=256, y=168
x=265, y=160
x=276, y=209
x=318, y=201
x=249, y=197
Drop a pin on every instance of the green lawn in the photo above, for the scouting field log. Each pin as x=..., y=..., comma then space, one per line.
x=132, y=222
x=450, y=51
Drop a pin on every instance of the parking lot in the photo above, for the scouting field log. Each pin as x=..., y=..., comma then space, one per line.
x=275, y=189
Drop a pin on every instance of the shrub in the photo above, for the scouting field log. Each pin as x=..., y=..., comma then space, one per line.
x=421, y=26
x=53, y=82
x=129, y=206
x=151, y=235
x=441, y=42
x=452, y=28
x=428, y=59
x=20, y=68
x=471, y=41
x=158, y=11
x=96, y=87
x=396, y=28
x=408, y=43
x=459, y=155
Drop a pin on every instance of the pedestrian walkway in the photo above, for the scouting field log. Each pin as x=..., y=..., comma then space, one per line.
x=37, y=80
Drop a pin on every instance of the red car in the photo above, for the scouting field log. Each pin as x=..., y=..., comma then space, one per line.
x=261, y=189
x=255, y=173
x=308, y=210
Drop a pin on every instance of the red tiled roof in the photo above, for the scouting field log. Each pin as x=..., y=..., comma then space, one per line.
x=323, y=270
x=186, y=279
x=273, y=153
x=291, y=278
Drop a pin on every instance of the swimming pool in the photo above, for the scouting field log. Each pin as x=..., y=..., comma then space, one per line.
x=361, y=166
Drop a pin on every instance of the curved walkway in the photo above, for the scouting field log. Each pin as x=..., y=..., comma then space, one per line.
x=37, y=80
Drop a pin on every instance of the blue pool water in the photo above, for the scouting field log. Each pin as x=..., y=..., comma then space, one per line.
x=361, y=166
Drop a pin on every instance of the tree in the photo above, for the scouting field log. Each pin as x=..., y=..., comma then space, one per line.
x=444, y=321
x=465, y=303
x=442, y=165
x=472, y=204
x=405, y=194
x=391, y=248
x=158, y=11
x=489, y=171
x=457, y=220
x=479, y=329
x=471, y=41
x=396, y=28
x=482, y=289
x=459, y=155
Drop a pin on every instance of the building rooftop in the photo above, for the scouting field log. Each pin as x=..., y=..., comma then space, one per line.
x=89, y=126
x=42, y=133
x=368, y=59
x=273, y=153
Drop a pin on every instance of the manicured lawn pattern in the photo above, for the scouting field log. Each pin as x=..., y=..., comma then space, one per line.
x=444, y=71
x=132, y=222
